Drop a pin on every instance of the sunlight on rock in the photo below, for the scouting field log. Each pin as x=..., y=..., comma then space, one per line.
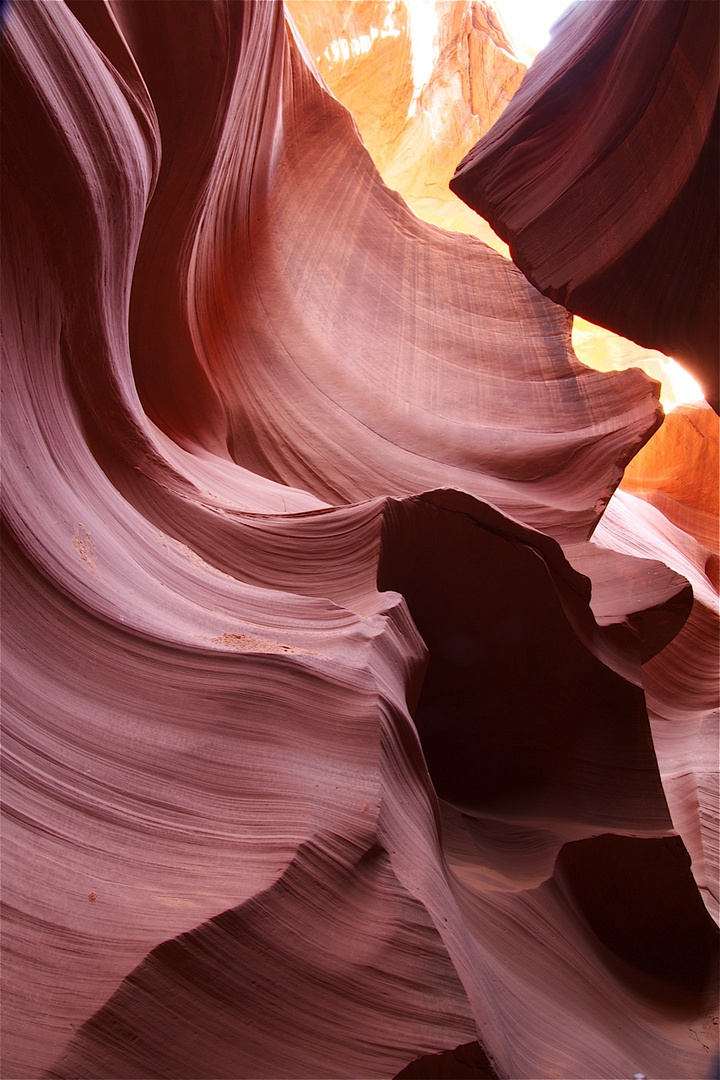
x=604, y=351
x=428, y=85
x=423, y=27
x=359, y=659
x=528, y=23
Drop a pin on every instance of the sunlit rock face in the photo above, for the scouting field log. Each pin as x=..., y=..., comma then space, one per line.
x=402, y=70
x=604, y=351
x=327, y=731
x=677, y=472
x=602, y=175
x=423, y=80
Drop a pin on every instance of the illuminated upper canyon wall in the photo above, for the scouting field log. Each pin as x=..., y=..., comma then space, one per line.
x=616, y=219
x=424, y=81
x=327, y=731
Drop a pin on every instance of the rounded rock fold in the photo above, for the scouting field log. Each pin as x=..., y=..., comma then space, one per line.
x=242, y=385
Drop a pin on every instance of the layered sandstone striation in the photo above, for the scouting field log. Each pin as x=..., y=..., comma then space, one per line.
x=424, y=81
x=677, y=472
x=602, y=175
x=326, y=726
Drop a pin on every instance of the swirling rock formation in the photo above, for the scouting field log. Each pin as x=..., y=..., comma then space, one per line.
x=602, y=175
x=311, y=727
x=687, y=495
x=423, y=81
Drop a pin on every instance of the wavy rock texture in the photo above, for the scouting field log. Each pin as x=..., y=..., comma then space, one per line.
x=602, y=175
x=312, y=731
x=681, y=684
x=687, y=495
x=423, y=81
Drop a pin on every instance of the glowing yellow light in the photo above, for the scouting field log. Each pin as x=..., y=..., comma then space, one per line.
x=679, y=387
x=605, y=351
x=341, y=49
x=528, y=23
x=422, y=27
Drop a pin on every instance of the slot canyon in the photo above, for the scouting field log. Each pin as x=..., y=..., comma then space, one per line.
x=360, y=541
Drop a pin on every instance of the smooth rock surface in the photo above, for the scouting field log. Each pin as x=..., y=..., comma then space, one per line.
x=266, y=437
x=602, y=175
x=423, y=81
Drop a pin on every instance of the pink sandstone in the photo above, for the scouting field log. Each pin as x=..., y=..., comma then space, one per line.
x=328, y=729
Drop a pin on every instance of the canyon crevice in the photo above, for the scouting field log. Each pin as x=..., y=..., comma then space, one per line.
x=342, y=683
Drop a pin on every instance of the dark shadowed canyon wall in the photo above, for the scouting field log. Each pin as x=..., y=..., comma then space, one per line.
x=602, y=175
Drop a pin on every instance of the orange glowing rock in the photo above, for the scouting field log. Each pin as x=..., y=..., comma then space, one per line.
x=677, y=471
x=423, y=80
x=602, y=175
x=316, y=695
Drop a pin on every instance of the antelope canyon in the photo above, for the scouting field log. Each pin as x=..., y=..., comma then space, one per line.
x=360, y=642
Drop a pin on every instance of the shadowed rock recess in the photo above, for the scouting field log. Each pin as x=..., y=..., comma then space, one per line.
x=602, y=174
x=354, y=724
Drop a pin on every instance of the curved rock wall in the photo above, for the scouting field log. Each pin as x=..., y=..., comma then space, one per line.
x=602, y=175
x=286, y=478
x=423, y=81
